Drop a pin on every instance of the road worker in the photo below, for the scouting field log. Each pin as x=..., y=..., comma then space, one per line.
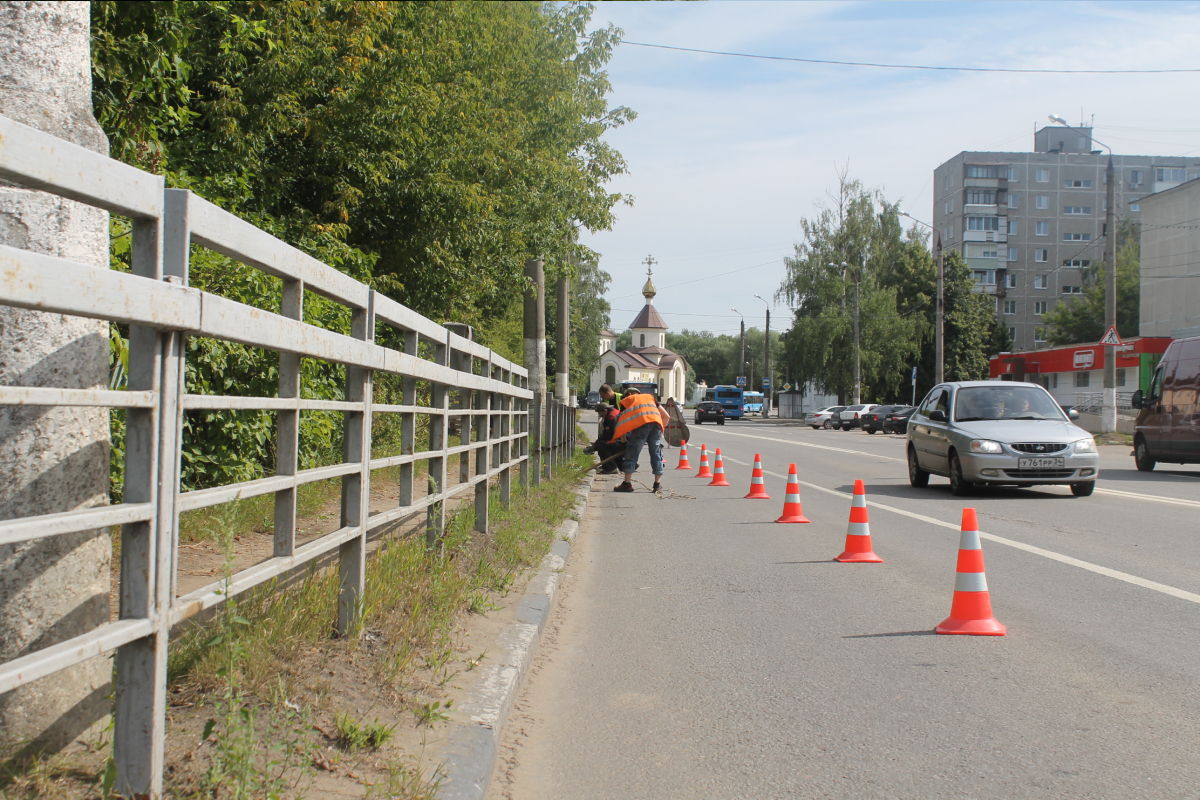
x=642, y=421
x=604, y=446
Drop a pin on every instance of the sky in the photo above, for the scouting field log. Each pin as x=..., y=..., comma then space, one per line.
x=728, y=154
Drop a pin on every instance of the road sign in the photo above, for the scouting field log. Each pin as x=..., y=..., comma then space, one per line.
x=914, y=375
x=1110, y=336
x=741, y=380
x=787, y=387
x=766, y=383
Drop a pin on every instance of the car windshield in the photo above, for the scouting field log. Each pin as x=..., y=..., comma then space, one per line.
x=975, y=403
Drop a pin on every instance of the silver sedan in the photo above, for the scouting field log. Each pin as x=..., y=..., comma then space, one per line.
x=997, y=432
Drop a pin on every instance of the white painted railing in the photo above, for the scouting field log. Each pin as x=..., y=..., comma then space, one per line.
x=487, y=393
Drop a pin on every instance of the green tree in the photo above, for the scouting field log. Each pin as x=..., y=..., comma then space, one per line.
x=1082, y=320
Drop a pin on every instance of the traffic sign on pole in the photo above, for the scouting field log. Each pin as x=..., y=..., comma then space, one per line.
x=1110, y=337
x=766, y=383
x=741, y=380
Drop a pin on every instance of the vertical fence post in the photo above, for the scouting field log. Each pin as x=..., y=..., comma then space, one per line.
x=287, y=427
x=140, y=707
x=356, y=487
x=464, y=362
x=535, y=419
x=506, y=444
x=523, y=443
x=435, y=523
x=483, y=453
x=408, y=422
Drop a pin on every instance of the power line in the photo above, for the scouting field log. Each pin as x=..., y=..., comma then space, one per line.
x=914, y=66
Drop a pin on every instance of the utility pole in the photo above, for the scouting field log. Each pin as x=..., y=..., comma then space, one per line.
x=767, y=363
x=1108, y=406
x=535, y=359
x=857, y=351
x=562, y=354
x=742, y=358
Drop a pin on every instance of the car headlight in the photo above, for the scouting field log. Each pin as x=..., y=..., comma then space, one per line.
x=985, y=446
x=1087, y=445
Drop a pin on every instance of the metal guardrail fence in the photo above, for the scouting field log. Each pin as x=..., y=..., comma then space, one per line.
x=488, y=394
x=1090, y=402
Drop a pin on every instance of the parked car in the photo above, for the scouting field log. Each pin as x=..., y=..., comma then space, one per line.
x=820, y=419
x=872, y=421
x=1168, y=423
x=711, y=411
x=987, y=432
x=592, y=399
x=848, y=417
x=896, y=420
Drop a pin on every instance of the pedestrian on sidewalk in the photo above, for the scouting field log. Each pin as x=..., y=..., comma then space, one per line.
x=642, y=421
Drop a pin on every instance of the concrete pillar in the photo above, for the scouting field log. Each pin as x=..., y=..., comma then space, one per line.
x=52, y=459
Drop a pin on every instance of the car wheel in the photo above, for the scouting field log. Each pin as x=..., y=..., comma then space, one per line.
x=958, y=486
x=1141, y=456
x=918, y=477
x=698, y=422
x=720, y=422
x=845, y=427
x=1083, y=489
x=815, y=427
x=827, y=426
x=871, y=431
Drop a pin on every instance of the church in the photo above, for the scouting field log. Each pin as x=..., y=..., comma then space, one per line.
x=648, y=360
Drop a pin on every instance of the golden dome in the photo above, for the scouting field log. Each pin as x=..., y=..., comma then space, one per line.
x=648, y=290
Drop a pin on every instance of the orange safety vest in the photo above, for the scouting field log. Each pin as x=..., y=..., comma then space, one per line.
x=638, y=410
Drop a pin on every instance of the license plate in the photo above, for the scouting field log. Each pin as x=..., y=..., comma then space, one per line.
x=1041, y=463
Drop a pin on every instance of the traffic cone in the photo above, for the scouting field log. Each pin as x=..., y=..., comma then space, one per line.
x=792, y=510
x=683, y=459
x=971, y=611
x=858, y=533
x=758, y=489
x=719, y=471
x=704, y=472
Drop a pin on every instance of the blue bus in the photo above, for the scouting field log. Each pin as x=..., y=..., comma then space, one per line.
x=731, y=397
x=752, y=402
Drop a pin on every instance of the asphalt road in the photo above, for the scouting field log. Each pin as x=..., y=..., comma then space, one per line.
x=702, y=651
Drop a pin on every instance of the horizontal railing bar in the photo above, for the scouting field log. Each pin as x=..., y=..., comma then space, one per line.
x=35, y=281
x=382, y=518
x=391, y=408
x=56, y=658
x=228, y=234
x=50, y=396
x=42, y=161
x=204, y=498
x=215, y=593
x=192, y=402
x=85, y=519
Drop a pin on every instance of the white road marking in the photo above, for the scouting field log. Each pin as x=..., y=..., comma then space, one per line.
x=1150, y=498
x=1050, y=554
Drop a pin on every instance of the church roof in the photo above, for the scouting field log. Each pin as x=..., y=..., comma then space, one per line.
x=648, y=317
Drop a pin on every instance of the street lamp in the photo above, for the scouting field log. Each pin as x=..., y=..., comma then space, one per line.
x=742, y=360
x=1108, y=410
x=939, y=342
x=767, y=363
x=844, y=268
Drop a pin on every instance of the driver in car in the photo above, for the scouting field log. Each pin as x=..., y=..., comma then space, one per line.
x=1020, y=405
x=977, y=406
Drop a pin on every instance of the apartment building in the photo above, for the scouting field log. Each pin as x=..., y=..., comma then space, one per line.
x=1029, y=224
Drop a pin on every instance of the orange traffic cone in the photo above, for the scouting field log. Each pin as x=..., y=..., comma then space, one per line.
x=704, y=472
x=719, y=471
x=858, y=534
x=683, y=459
x=792, y=510
x=971, y=611
x=758, y=489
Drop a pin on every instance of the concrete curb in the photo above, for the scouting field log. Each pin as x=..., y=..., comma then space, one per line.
x=473, y=743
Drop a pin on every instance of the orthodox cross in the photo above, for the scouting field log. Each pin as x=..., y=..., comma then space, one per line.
x=649, y=262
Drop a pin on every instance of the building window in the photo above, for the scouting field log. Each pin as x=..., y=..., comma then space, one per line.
x=1121, y=376
x=610, y=375
x=1012, y=174
x=1077, y=210
x=1039, y=307
x=1042, y=201
x=1077, y=184
x=950, y=237
x=1041, y=282
x=1077, y=237
x=1137, y=177
x=642, y=339
x=1077, y=262
x=1012, y=200
x=1168, y=175
x=1012, y=254
x=982, y=251
x=985, y=277
x=948, y=206
x=981, y=197
x=1083, y=380
x=1043, y=176
x=983, y=171
x=1053, y=379
x=947, y=179
x=1135, y=206
x=1012, y=227
x=1072, y=290
x=1041, y=255
x=1010, y=307
x=1010, y=281
x=1041, y=229
x=1012, y=335
x=983, y=223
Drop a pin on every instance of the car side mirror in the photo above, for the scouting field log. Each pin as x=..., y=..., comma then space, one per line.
x=1072, y=414
x=937, y=416
x=1136, y=400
